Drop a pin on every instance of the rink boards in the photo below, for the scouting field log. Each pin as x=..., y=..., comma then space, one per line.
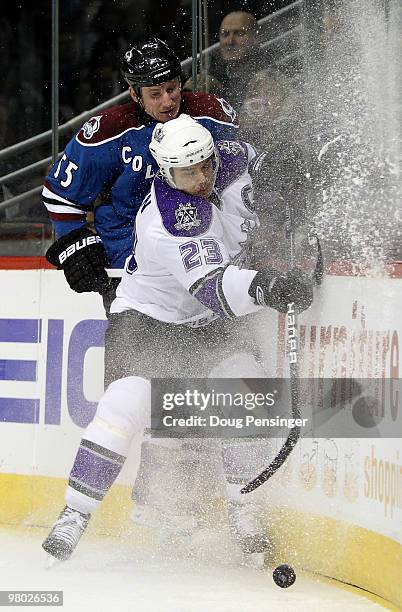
x=336, y=505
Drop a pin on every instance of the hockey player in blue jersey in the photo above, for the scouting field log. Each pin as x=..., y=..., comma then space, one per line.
x=107, y=167
x=180, y=308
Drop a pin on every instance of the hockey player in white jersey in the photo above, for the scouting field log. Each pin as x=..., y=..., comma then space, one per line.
x=179, y=310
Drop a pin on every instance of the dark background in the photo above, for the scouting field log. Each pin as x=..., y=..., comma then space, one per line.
x=93, y=37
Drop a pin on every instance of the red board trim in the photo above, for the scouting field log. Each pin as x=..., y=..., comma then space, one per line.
x=24, y=263
x=334, y=268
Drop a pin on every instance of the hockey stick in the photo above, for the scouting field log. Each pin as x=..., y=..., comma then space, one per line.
x=291, y=319
x=318, y=273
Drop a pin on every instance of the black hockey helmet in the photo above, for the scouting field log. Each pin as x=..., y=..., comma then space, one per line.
x=150, y=63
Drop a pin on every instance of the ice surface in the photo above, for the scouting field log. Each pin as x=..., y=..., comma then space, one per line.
x=110, y=575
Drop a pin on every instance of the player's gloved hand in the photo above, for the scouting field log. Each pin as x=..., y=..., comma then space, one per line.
x=82, y=257
x=282, y=167
x=271, y=288
x=281, y=175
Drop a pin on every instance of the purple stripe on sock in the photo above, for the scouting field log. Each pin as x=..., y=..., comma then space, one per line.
x=94, y=471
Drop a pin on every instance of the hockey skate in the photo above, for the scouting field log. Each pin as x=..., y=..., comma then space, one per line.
x=247, y=528
x=66, y=533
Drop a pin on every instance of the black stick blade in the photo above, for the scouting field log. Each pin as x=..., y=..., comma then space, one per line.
x=281, y=457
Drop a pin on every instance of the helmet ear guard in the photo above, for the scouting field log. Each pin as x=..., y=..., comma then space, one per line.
x=150, y=63
x=181, y=143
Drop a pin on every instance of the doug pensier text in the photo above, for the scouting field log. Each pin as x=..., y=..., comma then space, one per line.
x=248, y=420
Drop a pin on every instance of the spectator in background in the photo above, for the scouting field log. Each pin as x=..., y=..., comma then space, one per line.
x=239, y=55
x=272, y=118
x=272, y=111
x=206, y=83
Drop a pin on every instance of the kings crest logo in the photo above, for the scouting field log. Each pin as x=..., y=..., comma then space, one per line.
x=159, y=134
x=91, y=126
x=186, y=215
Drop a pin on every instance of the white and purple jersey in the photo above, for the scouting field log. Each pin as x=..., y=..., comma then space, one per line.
x=188, y=252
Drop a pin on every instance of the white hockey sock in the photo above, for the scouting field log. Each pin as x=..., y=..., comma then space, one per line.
x=123, y=411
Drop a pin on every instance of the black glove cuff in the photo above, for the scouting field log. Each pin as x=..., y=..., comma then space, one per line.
x=262, y=284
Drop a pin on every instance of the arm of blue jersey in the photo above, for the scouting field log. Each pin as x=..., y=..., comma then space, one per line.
x=76, y=179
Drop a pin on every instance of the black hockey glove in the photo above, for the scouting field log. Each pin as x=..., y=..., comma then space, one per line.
x=271, y=288
x=283, y=167
x=281, y=175
x=82, y=257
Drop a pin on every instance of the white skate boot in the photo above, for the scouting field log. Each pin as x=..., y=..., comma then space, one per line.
x=66, y=533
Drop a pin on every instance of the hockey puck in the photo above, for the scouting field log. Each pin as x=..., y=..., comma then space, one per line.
x=366, y=412
x=284, y=576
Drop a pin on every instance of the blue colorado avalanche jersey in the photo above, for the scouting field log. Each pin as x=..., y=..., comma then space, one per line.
x=108, y=168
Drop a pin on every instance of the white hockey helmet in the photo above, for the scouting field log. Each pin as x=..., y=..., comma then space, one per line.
x=180, y=143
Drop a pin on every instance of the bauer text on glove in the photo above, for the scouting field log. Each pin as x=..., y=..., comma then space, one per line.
x=82, y=257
